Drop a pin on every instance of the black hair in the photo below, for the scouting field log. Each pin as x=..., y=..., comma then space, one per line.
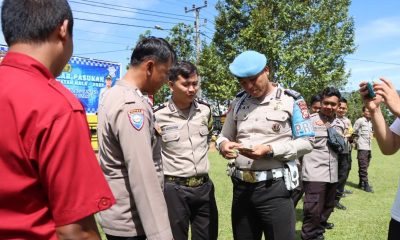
x=343, y=100
x=153, y=48
x=33, y=21
x=330, y=92
x=364, y=108
x=315, y=98
x=184, y=69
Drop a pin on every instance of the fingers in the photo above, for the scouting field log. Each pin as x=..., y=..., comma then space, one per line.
x=387, y=82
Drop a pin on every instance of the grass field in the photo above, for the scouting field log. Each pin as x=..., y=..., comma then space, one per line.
x=367, y=215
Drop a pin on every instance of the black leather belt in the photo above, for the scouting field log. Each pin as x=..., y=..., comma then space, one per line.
x=194, y=181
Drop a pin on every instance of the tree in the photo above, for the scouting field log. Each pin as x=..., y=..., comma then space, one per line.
x=218, y=85
x=181, y=39
x=305, y=41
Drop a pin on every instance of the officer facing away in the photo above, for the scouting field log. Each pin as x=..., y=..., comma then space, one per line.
x=258, y=134
x=184, y=123
x=126, y=144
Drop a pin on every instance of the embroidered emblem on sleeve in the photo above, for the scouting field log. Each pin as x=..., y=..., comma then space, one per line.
x=136, y=117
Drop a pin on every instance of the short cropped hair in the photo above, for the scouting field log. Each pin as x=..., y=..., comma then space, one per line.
x=33, y=21
x=343, y=100
x=184, y=69
x=330, y=92
x=315, y=98
x=153, y=48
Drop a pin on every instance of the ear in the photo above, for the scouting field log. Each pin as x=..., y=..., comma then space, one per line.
x=149, y=67
x=63, y=30
x=171, y=85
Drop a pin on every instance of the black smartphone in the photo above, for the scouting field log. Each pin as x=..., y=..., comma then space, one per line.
x=371, y=92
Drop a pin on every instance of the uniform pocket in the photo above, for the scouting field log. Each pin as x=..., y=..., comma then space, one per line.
x=203, y=131
x=169, y=137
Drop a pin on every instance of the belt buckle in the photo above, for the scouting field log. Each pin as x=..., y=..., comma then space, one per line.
x=249, y=176
x=194, y=182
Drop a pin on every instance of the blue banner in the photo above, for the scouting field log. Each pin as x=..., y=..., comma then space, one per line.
x=85, y=77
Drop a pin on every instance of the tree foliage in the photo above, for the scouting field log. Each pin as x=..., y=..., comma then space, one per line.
x=305, y=41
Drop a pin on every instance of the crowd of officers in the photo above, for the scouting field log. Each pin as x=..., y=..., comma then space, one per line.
x=276, y=149
x=153, y=180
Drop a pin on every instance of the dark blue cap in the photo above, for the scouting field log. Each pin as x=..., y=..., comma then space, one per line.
x=248, y=64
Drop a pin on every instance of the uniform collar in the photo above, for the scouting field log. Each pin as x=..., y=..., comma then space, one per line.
x=27, y=63
x=268, y=98
x=174, y=109
x=124, y=83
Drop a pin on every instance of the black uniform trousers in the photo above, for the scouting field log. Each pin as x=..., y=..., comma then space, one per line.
x=394, y=230
x=319, y=202
x=344, y=165
x=262, y=207
x=194, y=205
x=364, y=158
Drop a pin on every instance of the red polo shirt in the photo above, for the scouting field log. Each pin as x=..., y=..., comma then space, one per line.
x=49, y=174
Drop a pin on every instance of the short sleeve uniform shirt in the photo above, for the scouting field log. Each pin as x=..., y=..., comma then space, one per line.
x=50, y=176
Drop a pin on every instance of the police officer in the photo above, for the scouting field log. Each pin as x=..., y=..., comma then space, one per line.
x=297, y=193
x=320, y=169
x=344, y=161
x=363, y=132
x=105, y=89
x=126, y=136
x=258, y=134
x=184, y=123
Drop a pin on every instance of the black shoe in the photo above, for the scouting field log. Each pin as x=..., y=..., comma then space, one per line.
x=328, y=225
x=367, y=188
x=348, y=191
x=340, y=206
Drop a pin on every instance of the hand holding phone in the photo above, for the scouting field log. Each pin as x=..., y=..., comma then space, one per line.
x=371, y=92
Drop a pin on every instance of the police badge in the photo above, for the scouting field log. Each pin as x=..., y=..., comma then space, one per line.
x=136, y=117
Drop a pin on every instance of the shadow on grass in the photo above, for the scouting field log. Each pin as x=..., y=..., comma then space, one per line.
x=351, y=184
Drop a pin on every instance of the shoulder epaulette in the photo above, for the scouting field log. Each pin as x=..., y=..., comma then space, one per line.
x=292, y=93
x=204, y=102
x=159, y=107
x=241, y=93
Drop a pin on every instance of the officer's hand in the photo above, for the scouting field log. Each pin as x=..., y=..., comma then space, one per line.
x=371, y=104
x=388, y=92
x=258, y=151
x=229, y=149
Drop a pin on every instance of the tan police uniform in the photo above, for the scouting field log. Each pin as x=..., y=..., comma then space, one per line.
x=261, y=201
x=252, y=122
x=363, y=130
x=188, y=190
x=126, y=136
x=320, y=178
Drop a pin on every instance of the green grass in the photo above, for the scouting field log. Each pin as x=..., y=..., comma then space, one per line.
x=367, y=215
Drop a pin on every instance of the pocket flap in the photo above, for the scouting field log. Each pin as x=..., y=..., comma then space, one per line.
x=174, y=136
x=277, y=116
x=203, y=131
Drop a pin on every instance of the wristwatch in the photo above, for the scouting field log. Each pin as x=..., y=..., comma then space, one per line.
x=270, y=154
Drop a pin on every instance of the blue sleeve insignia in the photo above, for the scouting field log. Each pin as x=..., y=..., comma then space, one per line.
x=301, y=122
x=136, y=117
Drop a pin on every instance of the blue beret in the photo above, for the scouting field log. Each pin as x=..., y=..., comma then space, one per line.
x=248, y=64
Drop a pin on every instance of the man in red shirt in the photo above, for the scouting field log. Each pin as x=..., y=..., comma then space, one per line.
x=51, y=183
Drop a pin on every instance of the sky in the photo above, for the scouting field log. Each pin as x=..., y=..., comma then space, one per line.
x=377, y=30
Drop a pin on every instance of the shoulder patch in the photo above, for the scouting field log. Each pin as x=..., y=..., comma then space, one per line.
x=159, y=107
x=241, y=93
x=292, y=93
x=204, y=102
x=136, y=117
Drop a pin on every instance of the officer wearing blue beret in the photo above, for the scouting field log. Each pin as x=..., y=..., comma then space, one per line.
x=266, y=129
